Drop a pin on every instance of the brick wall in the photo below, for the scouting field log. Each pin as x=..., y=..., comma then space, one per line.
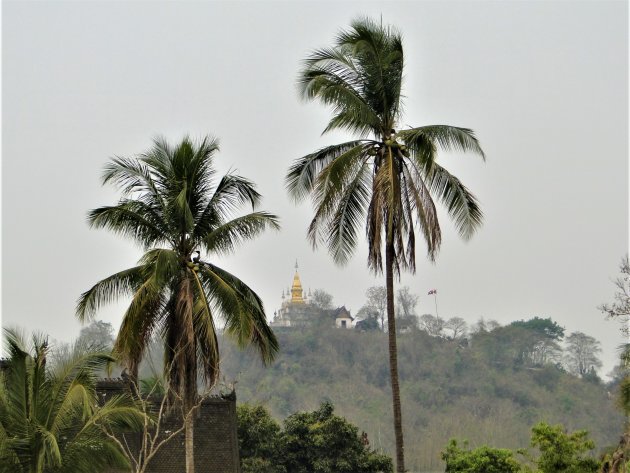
x=216, y=444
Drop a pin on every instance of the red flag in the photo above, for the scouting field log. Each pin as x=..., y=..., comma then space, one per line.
x=432, y=291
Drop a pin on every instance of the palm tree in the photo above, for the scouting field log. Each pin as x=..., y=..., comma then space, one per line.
x=391, y=177
x=171, y=197
x=49, y=416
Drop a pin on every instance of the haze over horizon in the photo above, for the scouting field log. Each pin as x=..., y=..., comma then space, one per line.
x=544, y=85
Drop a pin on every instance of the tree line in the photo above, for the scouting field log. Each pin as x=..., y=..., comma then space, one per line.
x=540, y=340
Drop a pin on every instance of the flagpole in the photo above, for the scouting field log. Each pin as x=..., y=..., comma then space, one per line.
x=434, y=293
x=435, y=299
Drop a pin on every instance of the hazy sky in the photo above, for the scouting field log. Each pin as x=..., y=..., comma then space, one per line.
x=543, y=84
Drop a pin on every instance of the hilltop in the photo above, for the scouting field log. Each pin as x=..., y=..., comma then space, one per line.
x=488, y=388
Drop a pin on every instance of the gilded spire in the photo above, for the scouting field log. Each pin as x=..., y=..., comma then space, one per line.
x=296, y=288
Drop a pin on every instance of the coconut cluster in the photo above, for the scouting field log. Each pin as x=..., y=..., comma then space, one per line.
x=390, y=143
x=193, y=266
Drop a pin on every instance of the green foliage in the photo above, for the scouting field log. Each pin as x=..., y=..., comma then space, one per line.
x=322, y=442
x=479, y=460
x=259, y=442
x=406, y=322
x=549, y=376
x=561, y=452
x=545, y=327
x=317, y=441
x=531, y=343
x=368, y=324
x=50, y=417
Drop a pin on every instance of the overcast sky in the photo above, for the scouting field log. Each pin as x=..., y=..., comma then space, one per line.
x=543, y=84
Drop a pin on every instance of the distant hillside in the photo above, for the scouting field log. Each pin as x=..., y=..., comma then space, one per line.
x=488, y=389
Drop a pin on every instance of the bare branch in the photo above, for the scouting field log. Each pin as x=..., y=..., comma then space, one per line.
x=153, y=436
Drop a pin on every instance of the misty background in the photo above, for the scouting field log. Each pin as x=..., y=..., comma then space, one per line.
x=544, y=85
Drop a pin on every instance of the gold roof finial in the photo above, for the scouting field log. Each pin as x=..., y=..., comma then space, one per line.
x=297, y=295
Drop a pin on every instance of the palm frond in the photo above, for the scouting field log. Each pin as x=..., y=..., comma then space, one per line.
x=108, y=290
x=146, y=310
x=230, y=194
x=184, y=211
x=378, y=54
x=341, y=175
x=302, y=175
x=131, y=218
x=386, y=212
x=205, y=335
x=52, y=452
x=448, y=138
x=460, y=203
x=91, y=454
x=133, y=178
x=374, y=228
x=331, y=76
x=332, y=64
x=227, y=237
x=72, y=392
x=242, y=310
x=120, y=413
x=144, y=314
x=343, y=223
x=360, y=77
x=423, y=207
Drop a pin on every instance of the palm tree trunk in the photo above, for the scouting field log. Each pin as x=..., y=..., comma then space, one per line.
x=187, y=366
x=393, y=352
x=189, y=432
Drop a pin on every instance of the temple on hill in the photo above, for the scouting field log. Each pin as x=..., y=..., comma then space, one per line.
x=297, y=310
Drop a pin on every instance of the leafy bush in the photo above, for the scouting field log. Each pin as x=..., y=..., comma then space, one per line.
x=561, y=452
x=259, y=441
x=479, y=460
x=317, y=441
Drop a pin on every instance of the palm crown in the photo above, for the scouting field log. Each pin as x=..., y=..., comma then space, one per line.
x=172, y=198
x=387, y=174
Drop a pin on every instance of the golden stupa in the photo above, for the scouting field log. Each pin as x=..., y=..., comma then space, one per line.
x=297, y=294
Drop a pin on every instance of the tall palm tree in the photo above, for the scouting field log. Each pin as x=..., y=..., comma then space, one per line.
x=49, y=416
x=391, y=177
x=171, y=197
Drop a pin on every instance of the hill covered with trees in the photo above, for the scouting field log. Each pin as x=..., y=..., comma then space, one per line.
x=489, y=387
